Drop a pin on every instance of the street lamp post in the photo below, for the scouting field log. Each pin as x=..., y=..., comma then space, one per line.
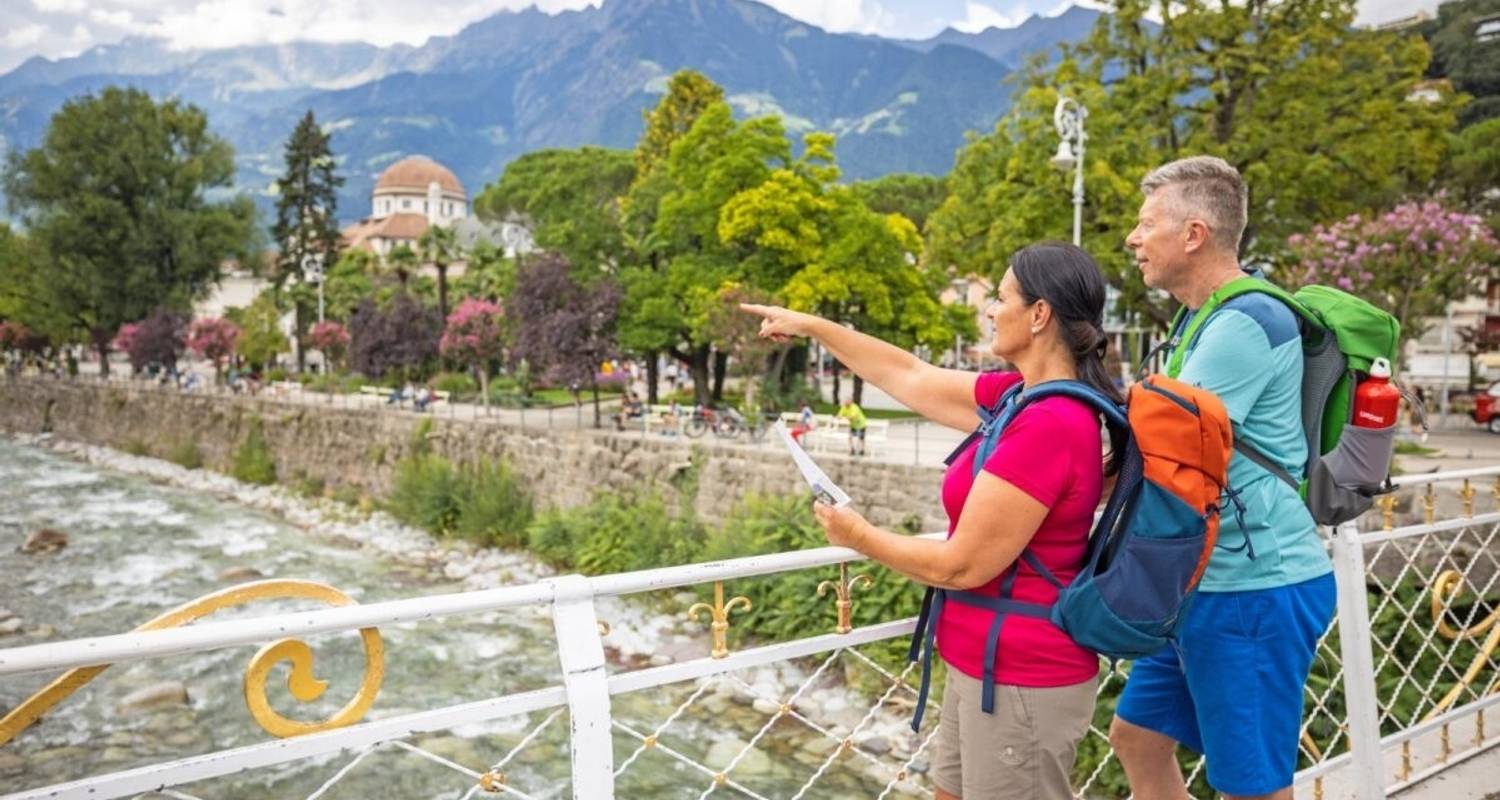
x=1068, y=118
x=312, y=267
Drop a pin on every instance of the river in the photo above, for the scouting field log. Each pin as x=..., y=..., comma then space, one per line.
x=149, y=536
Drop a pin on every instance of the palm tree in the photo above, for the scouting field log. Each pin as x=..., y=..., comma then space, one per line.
x=440, y=247
x=402, y=260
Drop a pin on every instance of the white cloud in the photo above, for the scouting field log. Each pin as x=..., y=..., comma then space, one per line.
x=978, y=17
x=59, y=6
x=24, y=36
x=843, y=16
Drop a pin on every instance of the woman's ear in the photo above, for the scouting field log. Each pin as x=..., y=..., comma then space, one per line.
x=1041, y=312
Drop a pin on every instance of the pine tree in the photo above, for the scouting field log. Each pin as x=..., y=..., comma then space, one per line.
x=306, y=228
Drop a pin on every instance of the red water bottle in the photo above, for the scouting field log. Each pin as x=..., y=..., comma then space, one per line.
x=1376, y=401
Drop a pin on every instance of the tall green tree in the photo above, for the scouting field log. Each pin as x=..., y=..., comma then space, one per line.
x=571, y=201
x=306, y=228
x=644, y=328
x=912, y=196
x=440, y=248
x=115, y=205
x=1313, y=111
x=685, y=263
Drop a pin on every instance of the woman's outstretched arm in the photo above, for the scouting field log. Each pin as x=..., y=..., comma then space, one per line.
x=945, y=396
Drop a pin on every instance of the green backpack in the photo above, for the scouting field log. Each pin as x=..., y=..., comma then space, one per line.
x=1342, y=335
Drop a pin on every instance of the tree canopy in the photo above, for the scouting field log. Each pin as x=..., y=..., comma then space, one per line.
x=115, y=203
x=1313, y=112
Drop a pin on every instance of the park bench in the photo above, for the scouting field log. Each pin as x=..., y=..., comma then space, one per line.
x=285, y=387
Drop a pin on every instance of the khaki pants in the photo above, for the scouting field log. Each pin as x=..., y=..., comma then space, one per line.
x=1023, y=751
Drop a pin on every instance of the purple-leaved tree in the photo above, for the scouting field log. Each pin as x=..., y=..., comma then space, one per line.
x=157, y=339
x=401, y=336
x=564, y=328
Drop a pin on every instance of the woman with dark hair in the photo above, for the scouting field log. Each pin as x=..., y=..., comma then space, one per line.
x=1031, y=503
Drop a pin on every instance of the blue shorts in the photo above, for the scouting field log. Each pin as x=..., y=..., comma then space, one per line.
x=1231, y=688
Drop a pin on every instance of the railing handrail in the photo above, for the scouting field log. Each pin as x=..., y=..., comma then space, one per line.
x=1419, y=478
x=124, y=647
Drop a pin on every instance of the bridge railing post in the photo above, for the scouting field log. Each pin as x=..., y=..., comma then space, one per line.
x=1360, y=697
x=581, y=653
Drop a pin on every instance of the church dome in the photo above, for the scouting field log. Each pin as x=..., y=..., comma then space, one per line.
x=414, y=173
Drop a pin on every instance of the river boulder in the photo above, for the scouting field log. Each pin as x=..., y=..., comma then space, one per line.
x=239, y=574
x=44, y=540
x=166, y=693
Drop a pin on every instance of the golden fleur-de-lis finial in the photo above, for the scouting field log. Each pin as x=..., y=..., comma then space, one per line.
x=1387, y=511
x=844, y=590
x=719, y=614
x=1429, y=504
x=1468, y=495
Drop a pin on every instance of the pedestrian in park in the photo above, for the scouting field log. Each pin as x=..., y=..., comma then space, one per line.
x=630, y=409
x=1031, y=503
x=1231, y=687
x=422, y=398
x=805, y=422
x=857, y=424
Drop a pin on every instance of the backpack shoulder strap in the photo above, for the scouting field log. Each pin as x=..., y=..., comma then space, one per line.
x=1114, y=413
x=1240, y=286
x=1225, y=293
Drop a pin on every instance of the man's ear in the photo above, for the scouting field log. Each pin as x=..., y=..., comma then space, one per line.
x=1195, y=233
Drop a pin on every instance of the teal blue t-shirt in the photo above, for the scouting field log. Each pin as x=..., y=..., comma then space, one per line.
x=1249, y=353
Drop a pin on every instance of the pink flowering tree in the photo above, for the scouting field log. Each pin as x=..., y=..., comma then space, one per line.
x=473, y=337
x=124, y=340
x=213, y=338
x=1411, y=260
x=332, y=339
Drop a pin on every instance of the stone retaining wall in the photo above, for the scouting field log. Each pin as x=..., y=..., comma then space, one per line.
x=360, y=448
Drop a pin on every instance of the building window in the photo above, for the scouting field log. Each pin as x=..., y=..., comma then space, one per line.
x=405, y=203
x=424, y=206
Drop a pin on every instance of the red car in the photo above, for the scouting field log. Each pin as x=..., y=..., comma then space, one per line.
x=1485, y=411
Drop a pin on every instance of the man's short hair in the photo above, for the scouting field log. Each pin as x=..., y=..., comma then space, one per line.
x=1209, y=186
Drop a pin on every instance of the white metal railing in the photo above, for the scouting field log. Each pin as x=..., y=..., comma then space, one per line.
x=1385, y=711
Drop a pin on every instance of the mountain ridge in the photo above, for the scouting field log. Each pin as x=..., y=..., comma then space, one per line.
x=521, y=80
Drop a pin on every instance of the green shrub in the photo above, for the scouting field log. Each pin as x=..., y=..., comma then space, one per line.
x=426, y=493
x=253, y=462
x=308, y=485
x=185, y=454
x=137, y=447
x=485, y=502
x=334, y=382
x=495, y=506
x=617, y=533
x=457, y=384
x=275, y=374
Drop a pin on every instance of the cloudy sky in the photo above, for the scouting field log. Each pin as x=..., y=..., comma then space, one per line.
x=60, y=28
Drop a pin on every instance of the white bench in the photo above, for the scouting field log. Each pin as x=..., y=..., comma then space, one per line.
x=285, y=387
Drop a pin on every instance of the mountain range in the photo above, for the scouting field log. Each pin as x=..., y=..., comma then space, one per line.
x=524, y=80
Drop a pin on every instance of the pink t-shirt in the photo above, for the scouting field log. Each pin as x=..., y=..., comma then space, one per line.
x=1051, y=451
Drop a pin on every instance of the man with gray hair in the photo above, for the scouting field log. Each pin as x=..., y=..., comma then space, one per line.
x=1231, y=686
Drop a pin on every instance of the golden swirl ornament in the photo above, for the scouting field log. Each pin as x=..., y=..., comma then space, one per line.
x=301, y=681
x=1445, y=589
